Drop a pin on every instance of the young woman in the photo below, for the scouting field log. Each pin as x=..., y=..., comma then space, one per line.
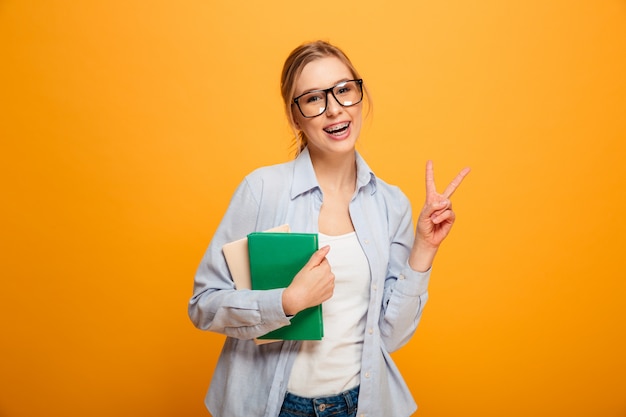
x=371, y=273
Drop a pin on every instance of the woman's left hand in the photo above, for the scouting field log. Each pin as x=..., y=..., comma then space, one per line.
x=435, y=219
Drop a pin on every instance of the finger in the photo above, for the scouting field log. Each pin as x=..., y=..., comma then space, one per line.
x=440, y=207
x=451, y=188
x=447, y=215
x=430, y=179
x=435, y=207
x=318, y=257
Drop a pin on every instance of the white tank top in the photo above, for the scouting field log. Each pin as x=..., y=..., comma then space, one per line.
x=333, y=365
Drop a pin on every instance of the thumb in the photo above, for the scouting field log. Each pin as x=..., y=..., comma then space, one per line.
x=318, y=257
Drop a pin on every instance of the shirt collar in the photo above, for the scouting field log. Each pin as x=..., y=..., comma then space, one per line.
x=305, y=180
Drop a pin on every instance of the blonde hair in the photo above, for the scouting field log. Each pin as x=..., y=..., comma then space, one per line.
x=292, y=68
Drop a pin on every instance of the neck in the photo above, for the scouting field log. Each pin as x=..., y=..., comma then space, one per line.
x=336, y=172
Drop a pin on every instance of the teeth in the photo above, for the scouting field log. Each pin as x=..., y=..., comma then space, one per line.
x=337, y=128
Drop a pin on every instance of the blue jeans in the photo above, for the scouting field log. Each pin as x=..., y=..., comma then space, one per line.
x=340, y=405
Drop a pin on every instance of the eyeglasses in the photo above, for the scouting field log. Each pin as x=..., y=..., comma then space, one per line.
x=313, y=103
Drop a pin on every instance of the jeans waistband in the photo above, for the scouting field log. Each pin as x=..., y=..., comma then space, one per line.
x=327, y=405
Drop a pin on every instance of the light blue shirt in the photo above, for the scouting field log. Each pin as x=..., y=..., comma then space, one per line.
x=251, y=380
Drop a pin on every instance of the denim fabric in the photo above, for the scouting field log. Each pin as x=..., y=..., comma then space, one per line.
x=341, y=405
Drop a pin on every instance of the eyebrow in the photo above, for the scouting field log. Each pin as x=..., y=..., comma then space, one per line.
x=322, y=89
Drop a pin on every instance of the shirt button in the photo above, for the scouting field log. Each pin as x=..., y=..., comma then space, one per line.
x=401, y=276
x=366, y=241
x=374, y=287
x=367, y=374
x=371, y=331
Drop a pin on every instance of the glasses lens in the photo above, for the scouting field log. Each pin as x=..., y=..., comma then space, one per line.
x=348, y=93
x=313, y=103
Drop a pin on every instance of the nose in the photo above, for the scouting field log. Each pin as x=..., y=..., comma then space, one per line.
x=332, y=105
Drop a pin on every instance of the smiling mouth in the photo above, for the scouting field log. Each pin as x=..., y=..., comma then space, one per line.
x=337, y=129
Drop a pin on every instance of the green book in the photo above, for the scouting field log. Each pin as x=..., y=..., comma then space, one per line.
x=275, y=259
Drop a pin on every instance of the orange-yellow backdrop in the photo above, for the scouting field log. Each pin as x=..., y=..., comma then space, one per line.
x=126, y=125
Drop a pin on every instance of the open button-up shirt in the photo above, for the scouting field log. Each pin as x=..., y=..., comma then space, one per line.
x=250, y=379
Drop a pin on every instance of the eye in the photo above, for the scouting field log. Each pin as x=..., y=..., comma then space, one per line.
x=313, y=97
x=343, y=88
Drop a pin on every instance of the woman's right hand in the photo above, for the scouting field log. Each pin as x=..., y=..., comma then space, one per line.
x=313, y=285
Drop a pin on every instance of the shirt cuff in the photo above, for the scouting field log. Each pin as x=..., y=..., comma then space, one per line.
x=271, y=307
x=413, y=283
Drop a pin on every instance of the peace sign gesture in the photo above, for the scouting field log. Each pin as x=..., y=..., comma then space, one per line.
x=435, y=220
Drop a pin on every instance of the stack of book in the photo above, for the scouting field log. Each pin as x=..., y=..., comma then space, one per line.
x=269, y=260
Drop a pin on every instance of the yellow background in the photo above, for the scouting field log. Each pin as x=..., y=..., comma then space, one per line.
x=126, y=125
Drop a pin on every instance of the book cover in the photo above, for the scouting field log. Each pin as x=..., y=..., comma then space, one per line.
x=238, y=260
x=275, y=259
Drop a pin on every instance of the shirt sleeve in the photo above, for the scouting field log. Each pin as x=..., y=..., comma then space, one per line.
x=215, y=304
x=406, y=291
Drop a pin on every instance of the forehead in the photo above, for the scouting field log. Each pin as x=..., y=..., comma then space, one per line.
x=322, y=73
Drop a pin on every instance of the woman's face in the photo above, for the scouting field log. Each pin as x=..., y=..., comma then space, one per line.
x=337, y=129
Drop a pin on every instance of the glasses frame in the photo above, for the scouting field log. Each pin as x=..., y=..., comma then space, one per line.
x=326, y=91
